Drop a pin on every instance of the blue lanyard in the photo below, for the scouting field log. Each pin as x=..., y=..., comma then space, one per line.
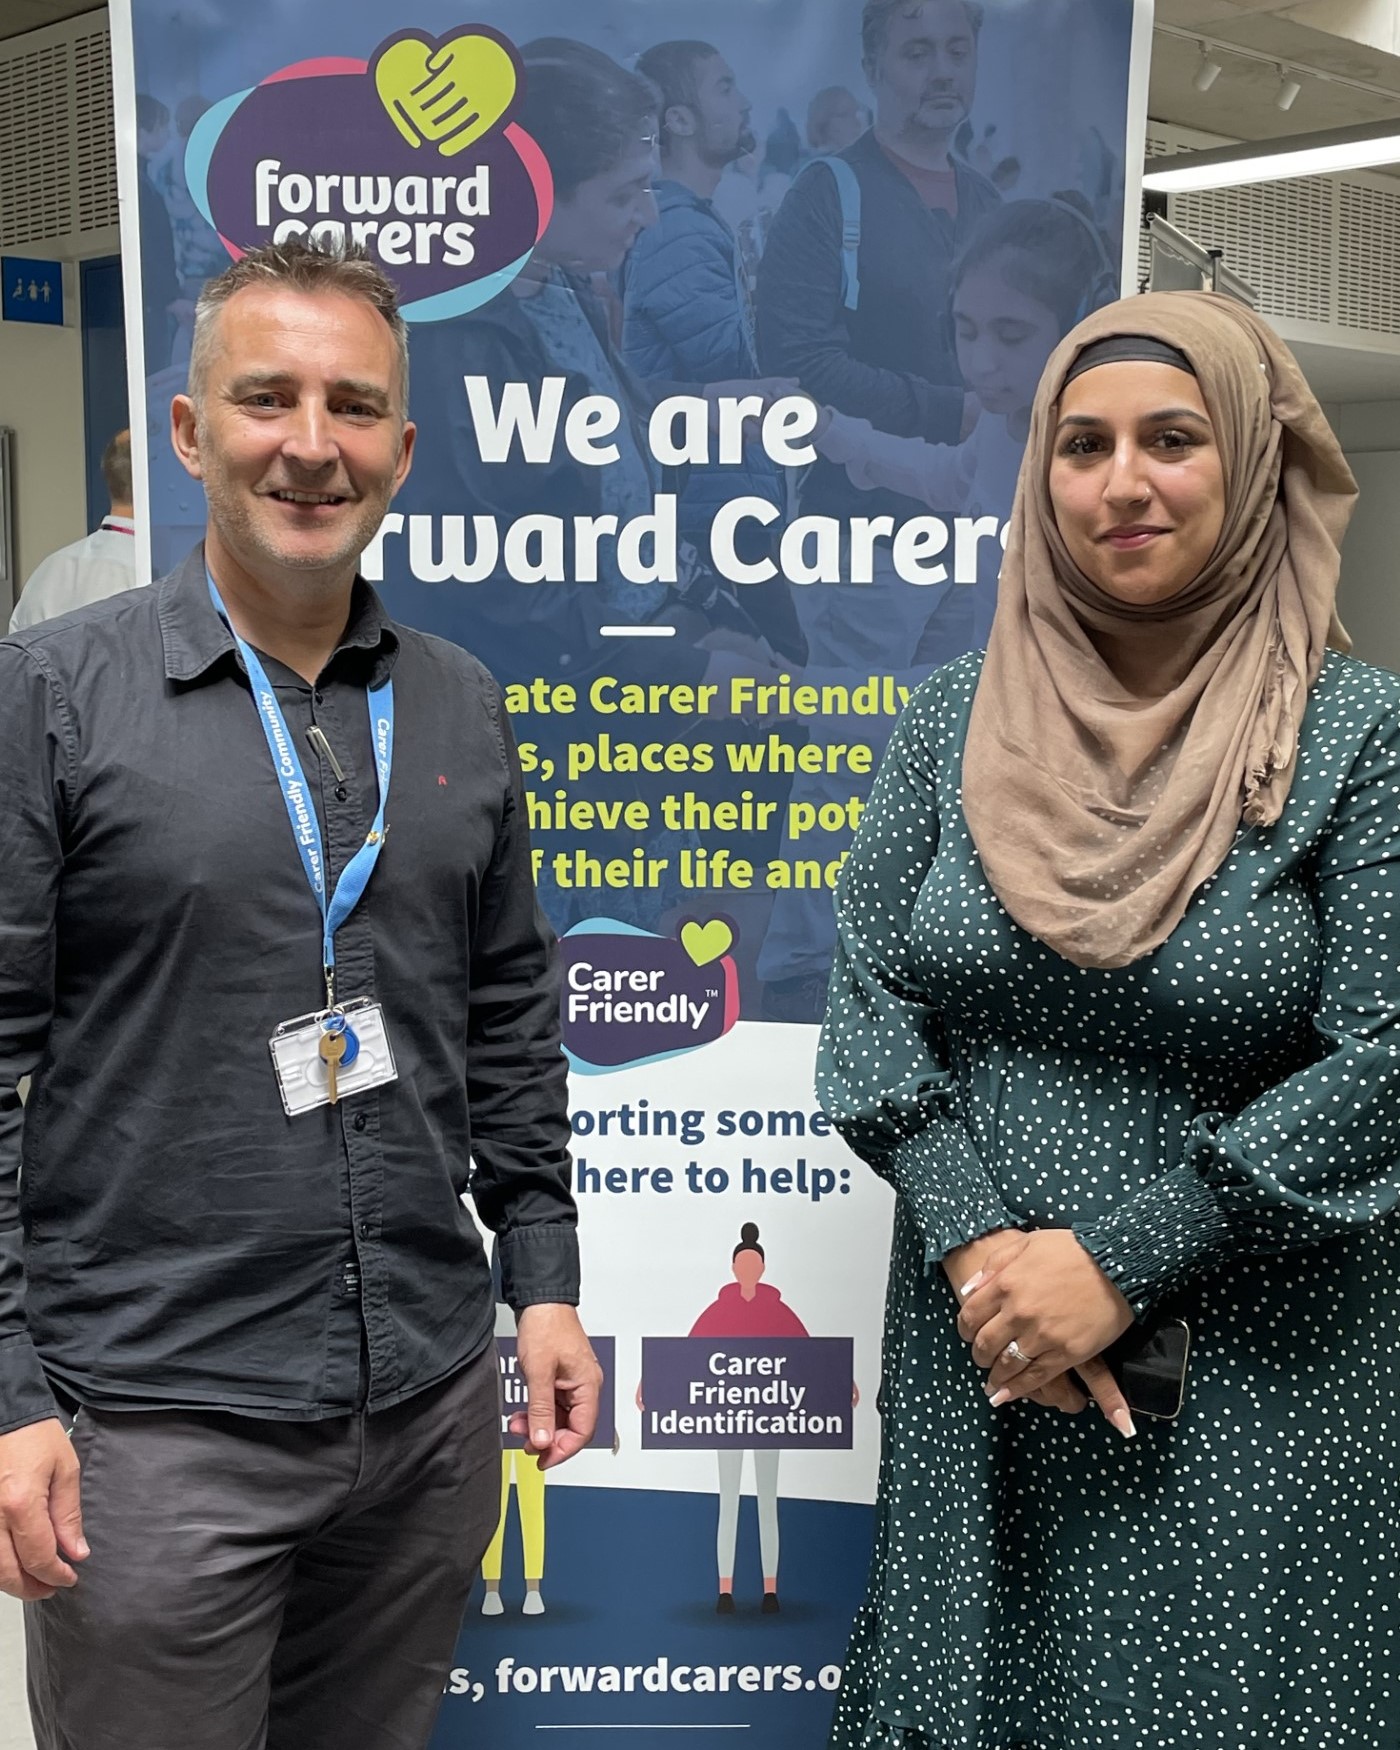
x=301, y=811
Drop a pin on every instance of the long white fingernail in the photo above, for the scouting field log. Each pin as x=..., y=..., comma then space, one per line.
x=1122, y=1420
x=999, y=1398
x=971, y=1283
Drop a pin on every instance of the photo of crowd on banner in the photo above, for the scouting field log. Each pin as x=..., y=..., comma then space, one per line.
x=881, y=245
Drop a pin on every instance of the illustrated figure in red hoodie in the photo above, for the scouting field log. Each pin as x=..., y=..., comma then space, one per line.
x=748, y=1307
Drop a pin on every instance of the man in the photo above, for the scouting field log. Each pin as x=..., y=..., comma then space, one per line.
x=882, y=348
x=854, y=298
x=686, y=310
x=239, y=1246
x=100, y=565
x=834, y=120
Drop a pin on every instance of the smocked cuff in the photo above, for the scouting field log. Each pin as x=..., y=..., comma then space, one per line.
x=946, y=1189
x=1152, y=1245
x=24, y=1392
x=539, y=1265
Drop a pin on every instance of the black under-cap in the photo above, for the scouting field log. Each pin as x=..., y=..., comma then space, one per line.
x=1118, y=349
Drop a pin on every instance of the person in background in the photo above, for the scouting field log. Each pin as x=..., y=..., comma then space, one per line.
x=687, y=316
x=881, y=349
x=1030, y=271
x=249, y=1400
x=865, y=328
x=100, y=565
x=597, y=124
x=198, y=252
x=162, y=305
x=782, y=157
x=835, y=120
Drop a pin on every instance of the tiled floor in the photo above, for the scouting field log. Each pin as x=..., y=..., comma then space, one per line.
x=14, y=1715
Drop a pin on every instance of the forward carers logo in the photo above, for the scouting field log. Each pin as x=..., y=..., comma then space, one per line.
x=412, y=153
x=633, y=997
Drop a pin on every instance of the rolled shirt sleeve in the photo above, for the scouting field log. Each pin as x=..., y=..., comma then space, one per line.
x=516, y=1072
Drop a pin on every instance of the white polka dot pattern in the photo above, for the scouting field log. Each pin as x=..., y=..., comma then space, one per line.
x=1220, y=1123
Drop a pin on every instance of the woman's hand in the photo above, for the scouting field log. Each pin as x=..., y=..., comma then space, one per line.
x=1043, y=1292
x=965, y=1264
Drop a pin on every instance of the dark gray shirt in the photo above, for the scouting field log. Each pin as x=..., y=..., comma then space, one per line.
x=167, y=1234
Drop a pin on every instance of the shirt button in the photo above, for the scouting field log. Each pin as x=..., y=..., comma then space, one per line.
x=341, y=793
x=360, y=1121
x=364, y=1230
x=319, y=696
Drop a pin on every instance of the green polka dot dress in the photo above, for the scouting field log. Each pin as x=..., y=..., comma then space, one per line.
x=1219, y=1122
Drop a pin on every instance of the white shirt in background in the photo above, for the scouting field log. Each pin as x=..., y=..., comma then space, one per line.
x=101, y=564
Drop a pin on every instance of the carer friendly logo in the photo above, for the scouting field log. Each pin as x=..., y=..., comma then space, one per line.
x=633, y=997
x=413, y=153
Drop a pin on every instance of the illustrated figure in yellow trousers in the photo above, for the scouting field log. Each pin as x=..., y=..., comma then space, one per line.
x=529, y=1500
x=523, y=1468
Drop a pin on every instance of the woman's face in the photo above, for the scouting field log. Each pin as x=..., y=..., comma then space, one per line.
x=1136, y=479
x=748, y=1268
x=592, y=229
x=1004, y=339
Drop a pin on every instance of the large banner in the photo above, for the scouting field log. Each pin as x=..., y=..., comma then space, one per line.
x=726, y=318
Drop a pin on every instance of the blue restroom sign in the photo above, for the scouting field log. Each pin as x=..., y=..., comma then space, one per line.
x=33, y=290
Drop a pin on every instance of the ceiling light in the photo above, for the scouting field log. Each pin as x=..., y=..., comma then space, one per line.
x=1208, y=71
x=1288, y=89
x=1317, y=154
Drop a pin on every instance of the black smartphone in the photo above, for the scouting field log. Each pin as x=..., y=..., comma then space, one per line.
x=1149, y=1363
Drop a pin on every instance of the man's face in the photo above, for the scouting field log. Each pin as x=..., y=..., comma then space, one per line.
x=722, y=131
x=298, y=434
x=925, y=76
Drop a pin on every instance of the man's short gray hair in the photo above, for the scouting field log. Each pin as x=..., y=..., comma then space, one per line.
x=875, y=21
x=300, y=266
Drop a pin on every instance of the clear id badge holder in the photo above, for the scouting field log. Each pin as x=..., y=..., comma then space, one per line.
x=305, y=1063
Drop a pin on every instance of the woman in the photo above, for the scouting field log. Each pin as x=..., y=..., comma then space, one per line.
x=596, y=124
x=1115, y=1012
x=748, y=1307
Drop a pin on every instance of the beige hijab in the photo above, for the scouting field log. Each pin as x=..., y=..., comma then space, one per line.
x=1099, y=804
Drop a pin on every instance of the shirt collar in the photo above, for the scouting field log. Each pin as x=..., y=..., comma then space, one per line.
x=195, y=638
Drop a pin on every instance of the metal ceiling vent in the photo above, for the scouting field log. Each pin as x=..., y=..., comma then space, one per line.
x=1319, y=249
x=58, y=171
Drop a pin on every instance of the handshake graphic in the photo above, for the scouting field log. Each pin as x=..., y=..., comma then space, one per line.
x=447, y=95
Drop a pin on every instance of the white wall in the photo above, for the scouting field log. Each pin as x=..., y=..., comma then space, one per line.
x=41, y=397
x=1370, y=595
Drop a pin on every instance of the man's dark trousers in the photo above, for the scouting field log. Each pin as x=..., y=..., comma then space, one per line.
x=261, y=1585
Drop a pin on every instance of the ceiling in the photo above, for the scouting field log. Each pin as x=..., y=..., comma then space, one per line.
x=1240, y=104
x=18, y=16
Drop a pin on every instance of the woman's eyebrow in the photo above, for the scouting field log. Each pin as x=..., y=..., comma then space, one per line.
x=1147, y=418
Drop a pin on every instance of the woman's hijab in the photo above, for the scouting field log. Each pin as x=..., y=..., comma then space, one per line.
x=1114, y=749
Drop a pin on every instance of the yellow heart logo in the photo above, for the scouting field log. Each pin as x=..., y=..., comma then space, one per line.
x=448, y=96
x=706, y=942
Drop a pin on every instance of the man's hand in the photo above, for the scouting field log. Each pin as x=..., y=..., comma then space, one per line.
x=1043, y=1292
x=563, y=1381
x=41, y=1520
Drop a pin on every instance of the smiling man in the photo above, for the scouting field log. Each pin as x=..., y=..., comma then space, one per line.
x=273, y=1045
